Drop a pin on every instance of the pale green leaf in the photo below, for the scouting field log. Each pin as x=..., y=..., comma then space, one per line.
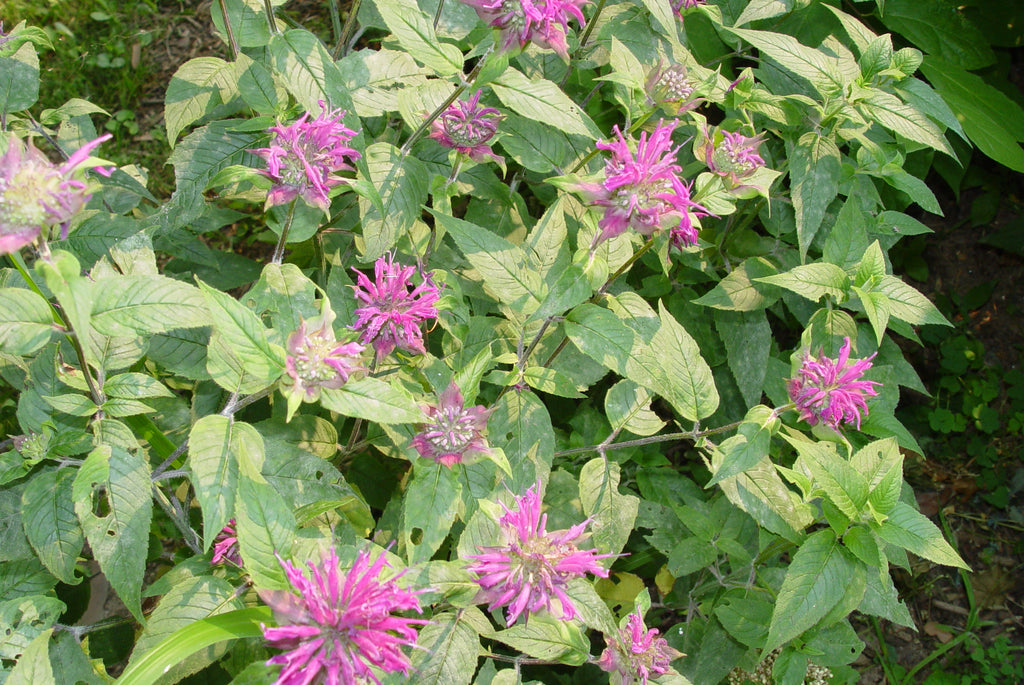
x=266, y=529
x=542, y=100
x=612, y=514
x=403, y=184
x=912, y=531
x=26, y=322
x=374, y=400
x=415, y=32
x=812, y=281
x=432, y=502
x=48, y=516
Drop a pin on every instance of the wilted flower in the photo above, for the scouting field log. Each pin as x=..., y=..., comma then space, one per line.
x=337, y=627
x=636, y=654
x=392, y=313
x=643, y=190
x=736, y=157
x=672, y=88
x=225, y=546
x=467, y=127
x=541, y=22
x=36, y=194
x=316, y=360
x=303, y=157
x=680, y=6
x=828, y=390
x=530, y=571
x=454, y=430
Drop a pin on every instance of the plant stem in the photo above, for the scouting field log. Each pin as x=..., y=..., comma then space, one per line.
x=279, y=250
x=335, y=19
x=232, y=41
x=437, y=14
x=341, y=49
x=271, y=20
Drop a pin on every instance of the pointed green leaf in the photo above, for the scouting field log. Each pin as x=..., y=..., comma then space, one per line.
x=827, y=74
x=897, y=116
x=33, y=668
x=26, y=321
x=612, y=514
x=812, y=281
x=266, y=529
x=542, y=100
x=432, y=502
x=741, y=290
x=196, y=89
x=374, y=400
x=143, y=305
x=907, y=304
x=403, y=184
x=814, y=167
x=912, y=531
x=544, y=637
x=48, y=515
x=447, y=653
x=415, y=33
x=628, y=406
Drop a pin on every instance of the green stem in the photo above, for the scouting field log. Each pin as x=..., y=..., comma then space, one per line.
x=341, y=48
x=232, y=41
x=335, y=10
x=437, y=14
x=279, y=250
x=271, y=20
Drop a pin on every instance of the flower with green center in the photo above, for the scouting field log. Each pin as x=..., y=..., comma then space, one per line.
x=36, y=194
x=636, y=653
x=541, y=22
x=316, y=360
x=467, y=127
x=454, y=432
x=732, y=156
x=530, y=571
x=673, y=89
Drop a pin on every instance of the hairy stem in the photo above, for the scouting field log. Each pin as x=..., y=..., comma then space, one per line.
x=279, y=250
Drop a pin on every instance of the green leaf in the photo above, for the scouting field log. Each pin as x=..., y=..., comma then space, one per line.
x=876, y=307
x=551, y=381
x=912, y=531
x=815, y=582
x=907, y=304
x=540, y=147
x=432, y=502
x=542, y=100
x=144, y=305
x=939, y=28
x=286, y=294
x=814, y=167
x=135, y=385
x=521, y=427
x=119, y=539
x=195, y=90
x=402, y=183
x=612, y=514
x=24, y=619
x=266, y=528
x=741, y=290
x=881, y=598
x=760, y=492
x=193, y=599
x=415, y=33
x=26, y=321
x=687, y=381
x=33, y=668
x=544, y=637
x=664, y=17
x=19, y=80
x=746, y=619
x=827, y=74
x=374, y=400
x=990, y=119
x=191, y=638
x=897, y=116
x=309, y=73
x=844, y=486
x=628, y=406
x=747, y=338
x=501, y=264
x=812, y=281
x=447, y=653
x=48, y=515
x=746, y=449
x=218, y=449
x=75, y=405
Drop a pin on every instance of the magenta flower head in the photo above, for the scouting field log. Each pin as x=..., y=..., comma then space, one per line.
x=541, y=22
x=316, y=359
x=303, y=157
x=338, y=628
x=467, y=127
x=734, y=156
x=392, y=308
x=454, y=431
x=225, y=546
x=636, y=654
x=643, y=190
x=36, y=194
x=829, y=390
x=530, y=571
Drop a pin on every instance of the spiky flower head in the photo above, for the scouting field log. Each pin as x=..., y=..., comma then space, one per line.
x=735, y=156
x=467, y=127
x=316, y=359
x=303, y=157
x=830, y=390
x=454, y=431
x=643, y=190
x=636, y=653
x=225, y=546
x=541, y=22
x=393, y=308
x=680, y=6
x=338, y=628
x=672, y=88
x=530, y=571
x=36, y=194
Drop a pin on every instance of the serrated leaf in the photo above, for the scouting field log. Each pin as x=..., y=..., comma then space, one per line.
x=907, y=304
x=51, y=526
x=243, y=337
x=306, y=69
x=740, y=289
x=628, y=406
x=845, y=487
x=760, y=492
x=521, y=427
x=741, y=452
x=402, y=183
x=432, y=502
x=747, y=338
x=812, y=281
x=815, y=582
x=447, y=653
x=612, y=514
x=940, y=29
x=135, y=385
x=374, y=400
x=24, y=619
x=542, y=100
x=196, y=88
x=26, y=322
x=218, y=449
x=687, y=381
x=143, y=305
x=912, y=531
x=540, y=147
x=120, y=538
x=897, y=116
x=33, y=668
x=551, y=381
x=544, y=637
x=827, y=74
x=415, y=32
x=266, y=529
x=19, y=79
x=814, y=166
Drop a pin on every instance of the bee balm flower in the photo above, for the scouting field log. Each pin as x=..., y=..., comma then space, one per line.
x=303, y=157
x=735, y=157
x=636, y=654
x=36, y=194
x=466, y=127
x=541, y=22
x=454, y=431
x=225, y=546
x=338, y=627
x=829, y=390
x=530, y=571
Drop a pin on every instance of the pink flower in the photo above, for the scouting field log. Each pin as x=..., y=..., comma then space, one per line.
x=36, y=194
x=673, y=89
x=736, y=157
x=454, y=431
x=303, y=157
x=392, y=313
x=828, y=390
x=680, y=6
x=225, y=546
x=530, y=571
x=541, y=22
x=337, y=627
x=644, y=190
x=636, y=653
x=466, y=127
x=316, y=360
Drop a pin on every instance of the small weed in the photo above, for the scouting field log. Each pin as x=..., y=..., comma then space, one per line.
x=995, y=664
